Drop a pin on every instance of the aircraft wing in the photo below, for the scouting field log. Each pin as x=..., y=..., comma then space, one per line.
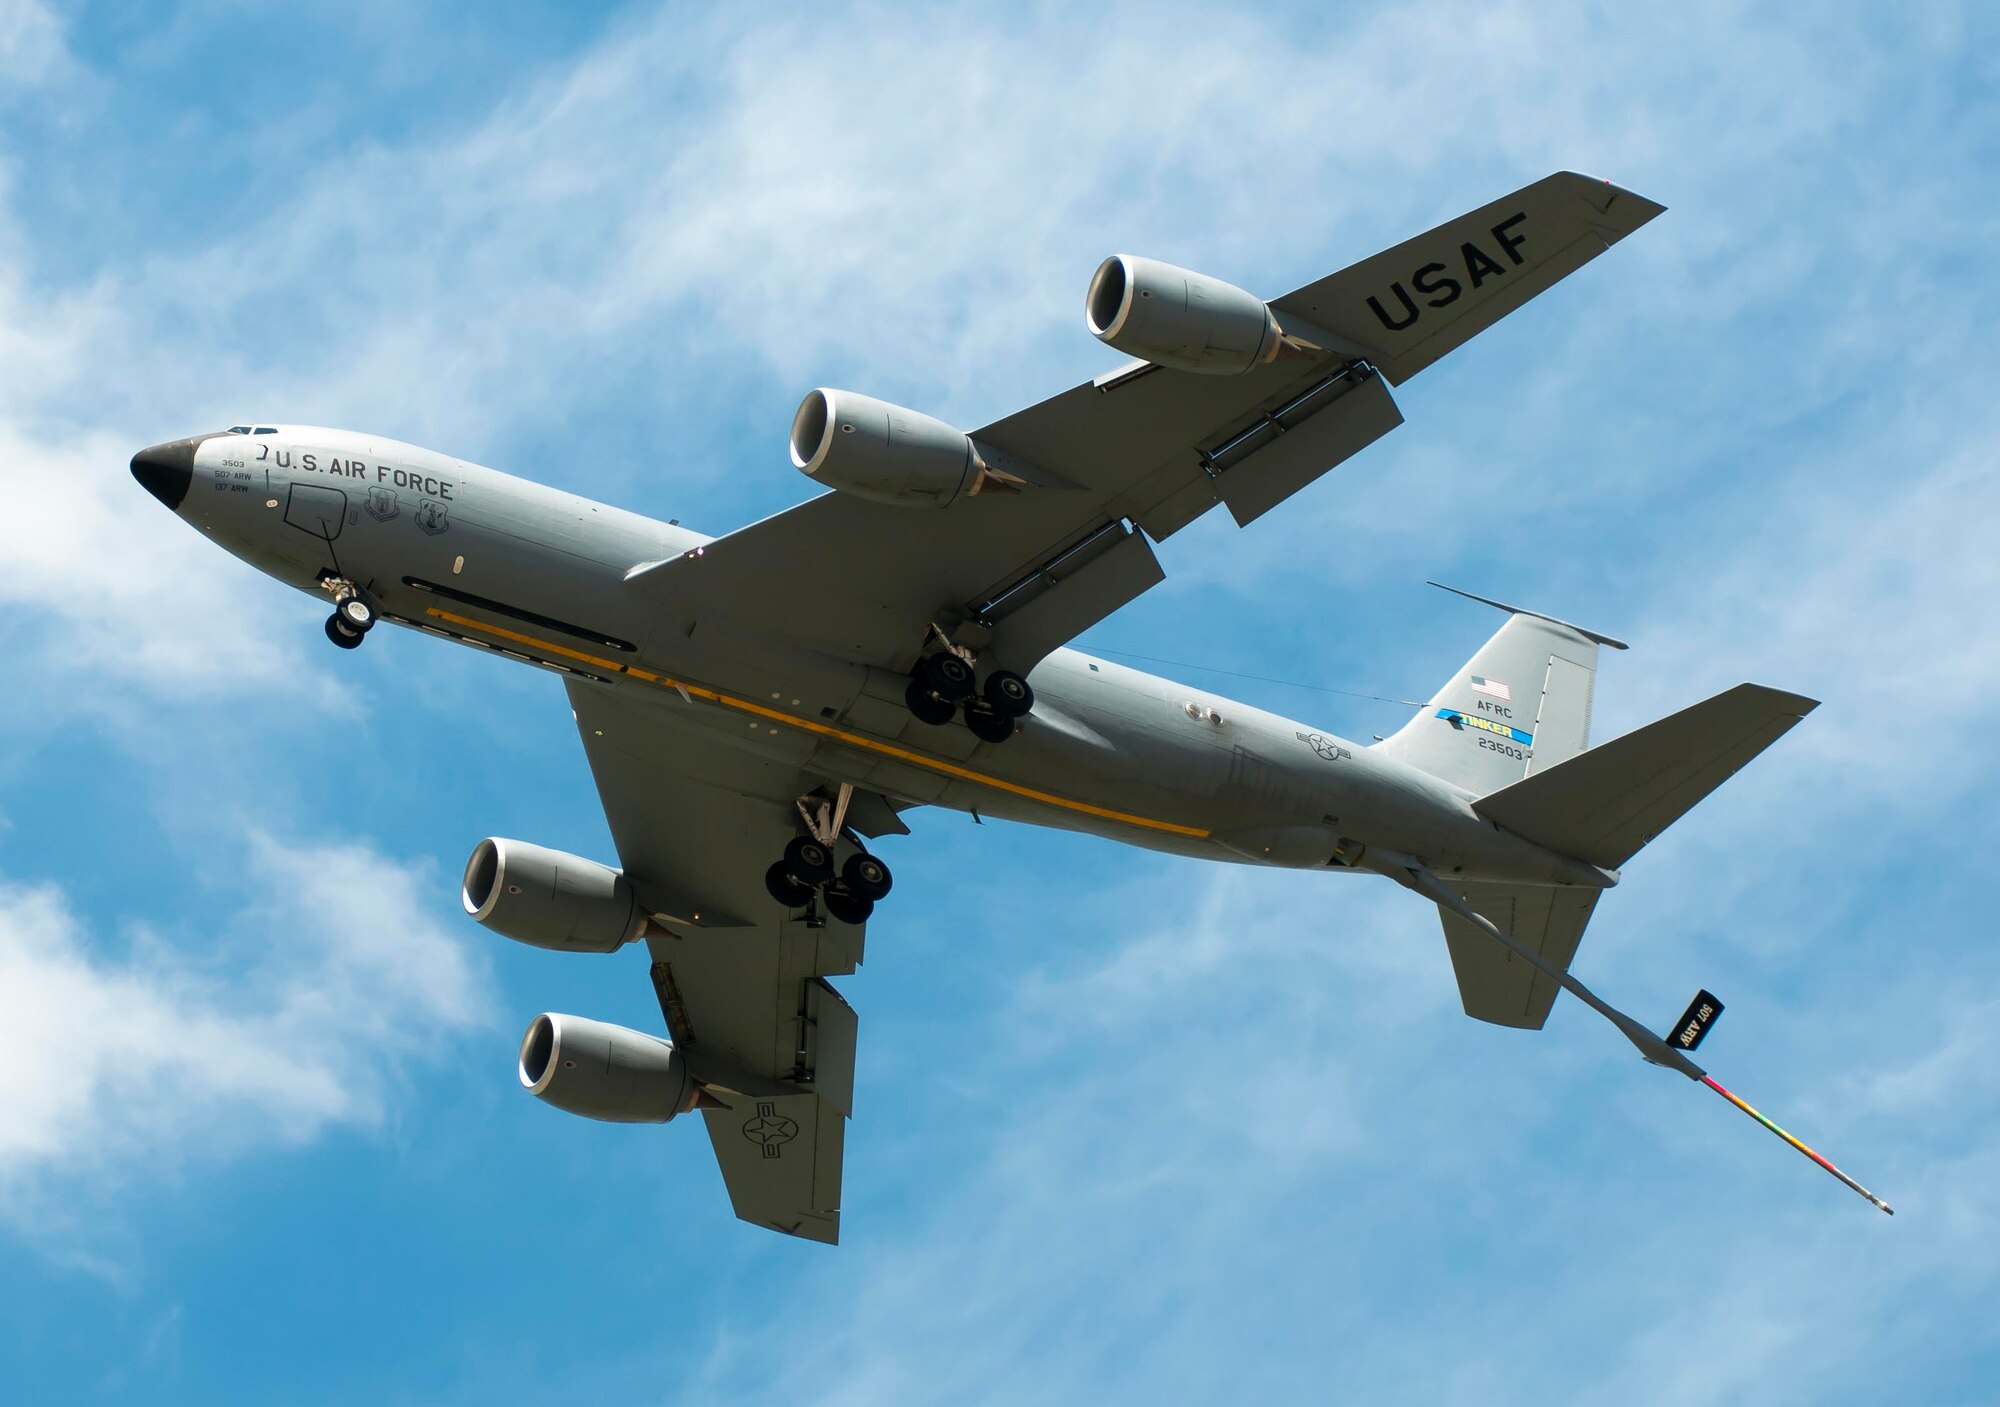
x=1138, y=454
x=741, y=982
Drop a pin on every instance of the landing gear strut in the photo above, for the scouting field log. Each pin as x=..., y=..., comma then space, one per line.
x=806, y=872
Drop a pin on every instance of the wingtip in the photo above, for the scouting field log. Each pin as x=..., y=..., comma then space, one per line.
x=1798, y=703
x=1619, y=211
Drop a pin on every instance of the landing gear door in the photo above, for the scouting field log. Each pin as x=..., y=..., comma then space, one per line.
x=317, y=510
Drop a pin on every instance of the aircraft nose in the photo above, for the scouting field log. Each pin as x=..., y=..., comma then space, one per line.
x=166, y=471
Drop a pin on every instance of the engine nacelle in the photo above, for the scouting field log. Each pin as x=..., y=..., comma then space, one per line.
x=547, y=899
x=603, y=1071
x=1178, y=318
x=878, y=451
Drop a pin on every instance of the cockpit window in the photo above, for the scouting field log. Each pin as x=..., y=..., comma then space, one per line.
x=267, y=430
x=239, y=429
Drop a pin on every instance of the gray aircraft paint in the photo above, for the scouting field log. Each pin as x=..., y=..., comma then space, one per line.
x=1102, y=735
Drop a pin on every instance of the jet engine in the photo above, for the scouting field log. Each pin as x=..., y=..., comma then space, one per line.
x=878, y=451
x=1180, y=319
x=603, y=1071
x=547, y=899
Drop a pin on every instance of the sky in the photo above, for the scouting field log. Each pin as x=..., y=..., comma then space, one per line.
x=1128, y=1128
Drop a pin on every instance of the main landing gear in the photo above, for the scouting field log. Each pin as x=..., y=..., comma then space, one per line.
x=807, y=873
x=944, y=683
x=354, y=613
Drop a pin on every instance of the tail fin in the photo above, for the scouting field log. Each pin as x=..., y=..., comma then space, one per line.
x=1602, y=806
x=1519, y=706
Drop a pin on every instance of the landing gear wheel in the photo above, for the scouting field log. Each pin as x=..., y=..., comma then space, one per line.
x=355, y=613
x=866, y=877
x=988, y=726
x=808, y=862
x=786, y=890
x=1009, y=693
x=947, y=676
x=338, y=631
x=847, y=908
x=927, y=707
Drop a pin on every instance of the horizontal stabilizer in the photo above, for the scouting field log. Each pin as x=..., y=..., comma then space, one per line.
x=1603, y=805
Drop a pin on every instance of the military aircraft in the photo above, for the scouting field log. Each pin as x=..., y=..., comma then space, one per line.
x=760, y=708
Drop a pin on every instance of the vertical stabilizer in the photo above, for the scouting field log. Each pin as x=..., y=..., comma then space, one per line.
x=1519, y=706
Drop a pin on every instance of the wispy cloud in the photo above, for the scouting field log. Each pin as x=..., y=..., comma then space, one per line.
x=1232, y=1139
x=151, y=1053
x=32, y=49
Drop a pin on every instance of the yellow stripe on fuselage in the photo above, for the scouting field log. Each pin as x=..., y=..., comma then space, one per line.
x=811, y=725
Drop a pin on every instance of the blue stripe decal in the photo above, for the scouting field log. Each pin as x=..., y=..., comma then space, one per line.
x=1485, y=725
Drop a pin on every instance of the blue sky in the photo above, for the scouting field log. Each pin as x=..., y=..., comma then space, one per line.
x=1128, y=1128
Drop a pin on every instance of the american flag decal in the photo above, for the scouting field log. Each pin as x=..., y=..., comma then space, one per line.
x=1492, y=688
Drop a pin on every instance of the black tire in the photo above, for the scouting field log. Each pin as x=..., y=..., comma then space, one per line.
x=787, y=891
x=847, y=908
x=927, y=707
x=988, y=726
x=866, y=877
x=340, y=634
x=808, y=862
x=948, y=676
x=1009, y=693
x=355, y=613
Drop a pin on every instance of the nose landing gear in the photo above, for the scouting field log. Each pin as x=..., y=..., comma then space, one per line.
x=354, y=613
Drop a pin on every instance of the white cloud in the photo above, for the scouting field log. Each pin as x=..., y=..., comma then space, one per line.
x=140, y=1055
x=1257, y=1135
x=1254, y=1145
x=101, y=581
x=728, y=211
x=32, y=48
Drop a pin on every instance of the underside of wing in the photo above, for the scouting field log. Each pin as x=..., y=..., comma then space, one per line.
x=1047, y=515
x=741, y=980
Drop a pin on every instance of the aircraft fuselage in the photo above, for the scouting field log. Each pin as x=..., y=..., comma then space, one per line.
x=559, y=581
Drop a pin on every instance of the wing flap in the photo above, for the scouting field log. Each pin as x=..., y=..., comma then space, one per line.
x=1294, y=455
x=1063, y=601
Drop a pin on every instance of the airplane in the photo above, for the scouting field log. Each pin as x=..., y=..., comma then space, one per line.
x=760, y=709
